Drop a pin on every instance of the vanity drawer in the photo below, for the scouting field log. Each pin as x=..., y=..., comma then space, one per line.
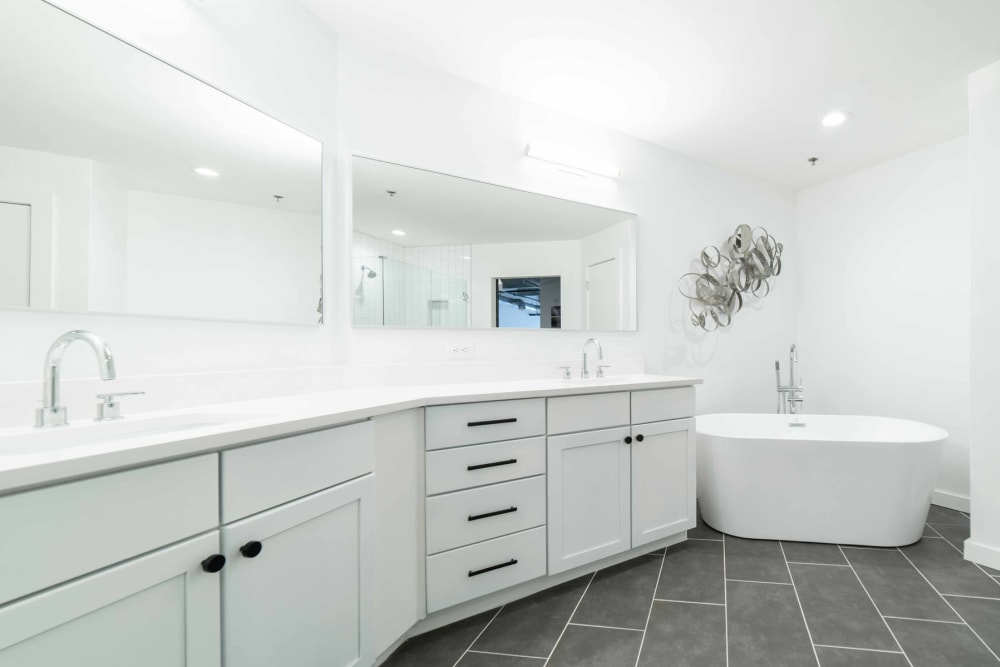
x=60, y=532
x=656, y=405
x=472, y=423
x=466, y=573
x=569, y=414
x=465, y=467
x=465, y=517
x=258, y=477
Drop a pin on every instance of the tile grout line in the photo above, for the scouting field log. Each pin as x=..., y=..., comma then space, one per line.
x=801, y=610
x=751, y=581
x=656, y=587
x=924, y=620
x=725, y=596
x=572, y=614
x=959, y=550
x=855, y=648
x=799, y=562
x=604, y=627
x=974, y=597
x=877, y=610
x=509, y=655
x=461, y=657
x=714, y=604
x=934, y=588
x=704, y=539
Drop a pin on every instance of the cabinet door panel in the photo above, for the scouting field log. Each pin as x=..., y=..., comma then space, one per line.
x=160, y=610
x=662, y=480
x=588, y=497
x=301, y=600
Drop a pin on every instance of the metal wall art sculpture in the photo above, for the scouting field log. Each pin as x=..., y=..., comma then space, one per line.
x=751, y=258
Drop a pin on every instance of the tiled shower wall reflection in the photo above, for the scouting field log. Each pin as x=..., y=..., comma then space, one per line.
x=423, y=286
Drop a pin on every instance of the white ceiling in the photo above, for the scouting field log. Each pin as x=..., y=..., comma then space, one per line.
x=71, y=89
x=439, y=210
x=739, y=83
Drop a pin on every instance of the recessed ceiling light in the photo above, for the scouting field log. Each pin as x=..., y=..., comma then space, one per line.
x=398, y=232
x=834, y=118
x=205, y=171
x=466, y=257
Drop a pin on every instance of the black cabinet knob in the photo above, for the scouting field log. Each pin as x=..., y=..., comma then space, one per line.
x=213, y=563
x=252, y=549
x=628, y=440
x=639, y=438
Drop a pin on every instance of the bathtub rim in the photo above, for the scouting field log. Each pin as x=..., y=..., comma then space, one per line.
x=935, y=434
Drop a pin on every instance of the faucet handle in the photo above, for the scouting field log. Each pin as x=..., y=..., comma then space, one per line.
x=567, y=372
x=600, y=369
x=109, y=407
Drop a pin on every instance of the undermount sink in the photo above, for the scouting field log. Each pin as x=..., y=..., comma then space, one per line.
x=24, y=441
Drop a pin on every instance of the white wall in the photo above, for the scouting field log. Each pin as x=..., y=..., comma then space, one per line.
x=615, y=243
x=885, y=297
x=212, y=259
x=15, y=253
x=984, y=176
x=108, y=242
x=58, y=188
x=411, y=115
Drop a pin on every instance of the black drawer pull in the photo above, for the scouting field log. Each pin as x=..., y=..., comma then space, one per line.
x=491, y=422
x=477, y=517
x=473, y=573
x=480, y=466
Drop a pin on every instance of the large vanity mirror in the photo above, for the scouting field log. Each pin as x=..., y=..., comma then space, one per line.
x=128, y=186
x=432, y=250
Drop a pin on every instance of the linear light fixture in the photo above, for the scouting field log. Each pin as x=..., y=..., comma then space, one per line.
x=573, y=159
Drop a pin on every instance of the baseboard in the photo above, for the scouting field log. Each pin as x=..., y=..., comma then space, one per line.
x=980, y=553
x=952, y=501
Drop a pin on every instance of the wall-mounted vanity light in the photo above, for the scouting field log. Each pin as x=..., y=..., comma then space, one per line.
x=575, y=160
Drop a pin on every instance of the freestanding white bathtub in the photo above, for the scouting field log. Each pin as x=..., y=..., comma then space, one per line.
x=837, y=479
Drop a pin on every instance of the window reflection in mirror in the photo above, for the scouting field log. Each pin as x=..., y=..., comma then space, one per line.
x=528, y=303
x=437, y=245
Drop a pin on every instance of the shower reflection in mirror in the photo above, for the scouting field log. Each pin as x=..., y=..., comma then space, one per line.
x=453, y=252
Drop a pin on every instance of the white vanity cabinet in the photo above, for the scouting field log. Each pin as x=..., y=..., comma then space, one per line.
x=159, y=610
x=111, y=592
x=296, y=588
x=485, y=508
x=627, y=484
x=292, y=586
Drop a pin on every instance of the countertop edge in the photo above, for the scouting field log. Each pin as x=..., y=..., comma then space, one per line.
x=287, y=416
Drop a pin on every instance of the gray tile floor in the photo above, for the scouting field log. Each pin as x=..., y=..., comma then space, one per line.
x=718, y=600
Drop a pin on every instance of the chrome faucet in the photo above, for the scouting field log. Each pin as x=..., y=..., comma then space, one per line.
x=790, y=396
x=585, y=372
x=51, y=413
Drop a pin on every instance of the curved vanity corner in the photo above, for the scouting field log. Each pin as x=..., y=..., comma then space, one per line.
x=410, y=507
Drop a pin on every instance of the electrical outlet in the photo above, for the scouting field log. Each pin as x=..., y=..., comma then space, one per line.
x=460, y=351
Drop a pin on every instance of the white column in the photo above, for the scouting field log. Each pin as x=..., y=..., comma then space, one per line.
x=984, y=175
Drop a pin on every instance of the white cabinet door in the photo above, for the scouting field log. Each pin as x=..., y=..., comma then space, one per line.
x=160, y=610
x=588, y=497
x=663, y=490
x=303, y=600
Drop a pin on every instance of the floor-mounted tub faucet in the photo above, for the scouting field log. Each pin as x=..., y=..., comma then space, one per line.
x=51, y=413
x=790, y=396
x=585, y=372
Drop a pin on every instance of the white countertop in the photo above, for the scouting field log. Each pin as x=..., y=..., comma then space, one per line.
x=24, y=466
